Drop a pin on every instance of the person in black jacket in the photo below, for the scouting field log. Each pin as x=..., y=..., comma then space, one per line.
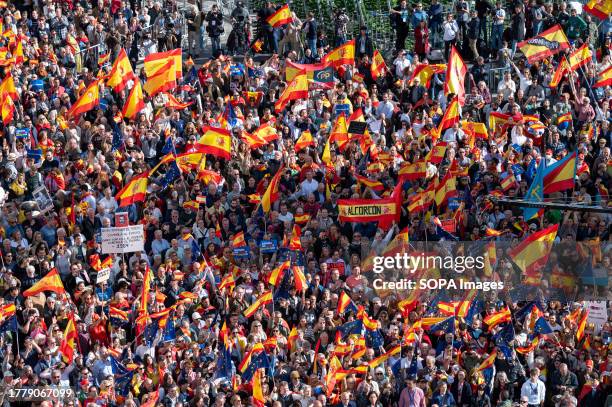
x=596, y=396
x=483, y=7
x=270, y=41
x=518, y=26
x=461, y=390
x=472, y=33
x=401, y=22
x=214, y=18
x=310, y=29
x=363, y=44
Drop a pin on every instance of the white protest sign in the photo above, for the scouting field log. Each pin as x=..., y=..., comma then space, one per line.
x=103, y=275
x=598, y=314
x=123, y=240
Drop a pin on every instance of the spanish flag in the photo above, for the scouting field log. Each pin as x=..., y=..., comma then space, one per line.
x=135, y=101
x=302, y=219
x=378, y=66
x=258, y=397
x=599, y=8
x=425, y=72
x=385, y=356
x=188, y=162
x=69, y=342
x=437, y=153
x=7, y=110
x=339, y=132
x=497, y=318
x=281, y=17
x=582, y=325
x=560, y=175
x=299, y=280
x=265, y=298
x=252, y=140
x=173, y=103
x=153, y=63
x=304, y=141
x=295, y=243
x=532, y=253
x=145, y=290
x=413, y=171
x=208, y=176
x=134, y=191
x=455, y=75
x=604, y=78
x=50, y=282
x=103, y=58
x=18, y=53
x=215, y=141
x=529, y=347
x=564, y=118
x=257, y=46
x=545, y=44
x=488, y=362
x=447, y=188
x=493, y=233
x=7, y=87
x=421, y=201
x=121, y=72
x=163, y=80
x=266, y=133
x=373, y=185
x=271, y=195
x=326, y=155
x=88, y=100
x=343, y=55
x=580, y=57
x=292, y=69
x=238, y=240
x=475, y=129
x=560, y=72
x=451, y=116
x=296, y=89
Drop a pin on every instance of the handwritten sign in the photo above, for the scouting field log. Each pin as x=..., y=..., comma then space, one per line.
x=103, y=275
x=123, y=240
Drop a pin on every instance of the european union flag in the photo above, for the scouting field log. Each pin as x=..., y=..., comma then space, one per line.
x=505, y=335
x=172, y=173
x=258, y=361
x=169, y=331
x=117, y=367
x=506, y=350
x=9, y=325
x=531, y=170
x=195, y=250
x=35, y=154
x=169, y=146
x=230, y=115
x=351, y=328
x=448, y=326
x=117, y=137
x=523, y=312
x=374, y=339
x=542, y=327
x=150, y=332
x=413, y=369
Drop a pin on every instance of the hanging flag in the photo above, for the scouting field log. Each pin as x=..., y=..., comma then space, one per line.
x=296, y=89
x=339, y=133
x=455, y=75
x=560, y=176
x=216, y=142
x=280, y=17
x=378, y=66
x=343, y=55
x=88, y=100
x=163, y=80
x=50, y=282
x=134, y=191
x=153, y=63
x=295, y=242
x=545, y=44
x=582, y=325
x=135, y=102
x=299, y=280
x=580, y=57
x=304, y=141
x=532, y=253
x=69, y=342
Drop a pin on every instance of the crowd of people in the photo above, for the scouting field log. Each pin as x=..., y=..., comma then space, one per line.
x=245, y=294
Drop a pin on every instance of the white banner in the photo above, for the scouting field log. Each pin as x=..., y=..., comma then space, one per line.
x=123, y=240
x=103, y=275
x=598, y=314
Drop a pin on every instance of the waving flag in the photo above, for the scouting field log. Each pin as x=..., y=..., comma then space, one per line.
x=271, y=195
x=88, y=100
x=497, y=318
x=296, y=89
x=258, y=397
x=446, y=189
x=174, y=103
x=121, y=72
x=163, y=80
x=368, y=183
x=582, y=325
x=437, y=153
x=414, y=171
x=135, y=102
x=560, y=72
x=580, y=57
x=277, y=274
x=68, y=345
x=451, y=115
x=560, y=175
x=281, y=17
x=343, y=55
x=50, y=282
x=532, y=253
x=7, y=110
x=265, y=298
x=155, y=62
x=304, y=141
x=216, y=142
x=8, y=319
x=345, y=303
x=378, y=66
x=604, y=78
x=545, y=44
x=7, y=87
x=535, y=192
x=599, y=8
x=455, y=75
x=488, y=362
x=425, y=72
x=134, y=191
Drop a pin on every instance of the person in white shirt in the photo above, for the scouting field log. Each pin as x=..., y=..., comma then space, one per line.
x=453, y=134
x=401, y=63
x=506, y=86
x=308, y=186
x=450, y=29
x=534, y=389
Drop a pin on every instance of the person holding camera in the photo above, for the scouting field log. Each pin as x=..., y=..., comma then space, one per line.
x=214, y=28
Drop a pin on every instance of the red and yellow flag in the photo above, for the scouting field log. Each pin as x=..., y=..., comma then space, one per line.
x=7, y=87
x=413, y=171
x=7, y=110
x=134, y=191
x=451, y=116
x=447, y=188
x=378, y=66
x=277, y=274
x=154, y=62
x=372, y=184
x=163, y=80
x=343, y=55
x=580, y=57
x=121, y=72
x=281, y=17
x=271, y=195
x=50, y=282
x=265, y=298
x=135, y=101
x=437, y=153
x=532, y=253
x=296, y=89
x=560, y=72
x=258, y=397
x=304, y=141
x=455, y=75
x=425, y=72
x=560, y=175
x=604, y=78
x=339, y=132
x=599, y=8
x=545, y=44
x=497, y=318
x=582, y=325
x=174, y=103
x=69, y=342
x=299, y=280
x=88, y=100
x=217, y=142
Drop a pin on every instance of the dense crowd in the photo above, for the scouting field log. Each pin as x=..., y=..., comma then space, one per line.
x=185, y=322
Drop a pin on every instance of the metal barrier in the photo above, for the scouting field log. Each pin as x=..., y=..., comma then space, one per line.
x=494, y=76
